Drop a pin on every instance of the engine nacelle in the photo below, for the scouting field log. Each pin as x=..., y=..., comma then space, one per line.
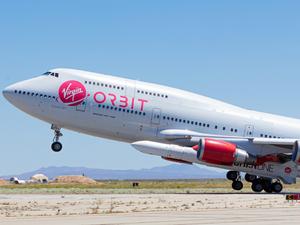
x=296, y=153
x=222, y=153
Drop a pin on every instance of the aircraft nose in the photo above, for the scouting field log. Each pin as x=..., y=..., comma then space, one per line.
x=8, y=92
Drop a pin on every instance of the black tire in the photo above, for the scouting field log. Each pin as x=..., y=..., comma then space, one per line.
x=250, y=178
x=237, y=185
x=268, y=187
x=232, y=175
x=257, y=186
x=56, y=146
x=277, y=187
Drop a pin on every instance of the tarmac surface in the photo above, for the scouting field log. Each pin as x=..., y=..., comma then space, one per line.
x=227, y=216
x=148, y=209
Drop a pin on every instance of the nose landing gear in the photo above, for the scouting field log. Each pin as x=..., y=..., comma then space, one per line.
x=56, y=146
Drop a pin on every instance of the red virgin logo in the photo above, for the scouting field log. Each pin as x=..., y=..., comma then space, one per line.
x=288, y=170
x=72, y=92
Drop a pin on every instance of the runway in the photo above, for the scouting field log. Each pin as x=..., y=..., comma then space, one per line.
x=227, y=216
x=147, y=209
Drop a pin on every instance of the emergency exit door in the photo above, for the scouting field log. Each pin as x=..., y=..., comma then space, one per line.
x=155, y=118
x=249, y=129
x=82, y=107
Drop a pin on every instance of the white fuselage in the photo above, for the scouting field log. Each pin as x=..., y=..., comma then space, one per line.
x=130, y=110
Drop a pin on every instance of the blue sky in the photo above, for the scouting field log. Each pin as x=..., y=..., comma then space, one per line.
x=243, y=52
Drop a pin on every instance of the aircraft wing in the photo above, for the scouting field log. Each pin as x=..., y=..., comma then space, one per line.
x=192, y=137
x=170, y=134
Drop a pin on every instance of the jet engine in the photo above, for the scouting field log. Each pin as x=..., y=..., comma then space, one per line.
x=222, y=153
x=296, y=153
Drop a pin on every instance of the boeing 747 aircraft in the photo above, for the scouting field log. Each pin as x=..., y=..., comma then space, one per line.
x=176, y=125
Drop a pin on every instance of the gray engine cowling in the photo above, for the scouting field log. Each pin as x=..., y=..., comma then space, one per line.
x=296, y=153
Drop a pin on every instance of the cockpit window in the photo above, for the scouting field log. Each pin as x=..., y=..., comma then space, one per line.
x=51, y=74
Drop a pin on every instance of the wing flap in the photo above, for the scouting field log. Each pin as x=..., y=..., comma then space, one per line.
x=273, y=141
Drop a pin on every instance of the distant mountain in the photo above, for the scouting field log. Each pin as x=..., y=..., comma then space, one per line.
x=174, y=171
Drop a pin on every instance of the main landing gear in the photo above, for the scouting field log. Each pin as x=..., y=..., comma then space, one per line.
x=235, y=177
x=259, y=184
x=266, y=184
x=56, y=145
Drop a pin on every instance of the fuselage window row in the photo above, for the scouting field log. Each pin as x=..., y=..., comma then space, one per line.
x=122, y=110
x=104, y=85
x=34, y=94
x=268, y=136
x=152, y=93
x=194, y=123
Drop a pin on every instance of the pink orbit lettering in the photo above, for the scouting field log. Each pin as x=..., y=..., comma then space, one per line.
x=72, y=93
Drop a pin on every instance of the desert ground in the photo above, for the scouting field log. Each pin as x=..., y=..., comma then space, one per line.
x=177, y=202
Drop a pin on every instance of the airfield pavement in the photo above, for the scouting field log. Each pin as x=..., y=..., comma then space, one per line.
x=94, y=209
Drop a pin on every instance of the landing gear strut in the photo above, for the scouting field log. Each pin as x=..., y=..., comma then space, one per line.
x=235, y=177
x=56, y=145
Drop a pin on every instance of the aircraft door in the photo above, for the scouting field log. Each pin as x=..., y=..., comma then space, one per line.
x=156, y=115
x=82, y=107
x=249, y=129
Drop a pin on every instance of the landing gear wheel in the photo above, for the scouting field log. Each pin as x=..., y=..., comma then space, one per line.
x=232, y=175
x=276, y=187
x=268, y=187
x=257, y=185
x=237, y=185
x=250, y=178
x=56, y=146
